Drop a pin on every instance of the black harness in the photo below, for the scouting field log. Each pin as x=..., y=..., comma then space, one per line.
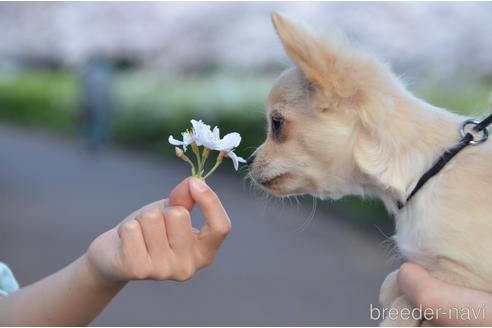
x=467, y=139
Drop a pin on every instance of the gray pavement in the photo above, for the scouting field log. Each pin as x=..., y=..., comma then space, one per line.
x=54, y=199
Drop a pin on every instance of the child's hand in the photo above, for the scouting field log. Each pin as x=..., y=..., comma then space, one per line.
x=158, y=241
x=155, y=242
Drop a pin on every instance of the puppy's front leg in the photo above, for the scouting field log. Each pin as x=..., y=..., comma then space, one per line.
x=389, y=290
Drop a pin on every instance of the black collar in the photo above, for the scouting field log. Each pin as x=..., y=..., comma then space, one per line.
x=467, y=139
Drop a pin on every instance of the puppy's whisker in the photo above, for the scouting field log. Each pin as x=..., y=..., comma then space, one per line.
x=386, y=237
x=297, y=201
x=309, y=219
x=290, y=201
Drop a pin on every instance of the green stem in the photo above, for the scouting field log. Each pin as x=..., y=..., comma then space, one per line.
x=196, y=151
x=217, y=163
x=212, y=170
x=187, y=160
x=205, y=154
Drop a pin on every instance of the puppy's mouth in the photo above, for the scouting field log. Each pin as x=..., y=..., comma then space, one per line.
x=275, y=182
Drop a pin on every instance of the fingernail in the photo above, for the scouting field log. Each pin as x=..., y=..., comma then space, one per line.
x=199, y=185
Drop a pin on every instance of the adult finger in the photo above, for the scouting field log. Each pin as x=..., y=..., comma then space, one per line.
x=414, y=281
x=443, y=299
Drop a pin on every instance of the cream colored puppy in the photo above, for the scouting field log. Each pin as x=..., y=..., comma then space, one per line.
x=341, y=123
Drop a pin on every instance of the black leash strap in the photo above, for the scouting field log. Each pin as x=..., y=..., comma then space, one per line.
x=467, y=139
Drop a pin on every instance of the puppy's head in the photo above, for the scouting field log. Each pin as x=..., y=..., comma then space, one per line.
x=316, y=111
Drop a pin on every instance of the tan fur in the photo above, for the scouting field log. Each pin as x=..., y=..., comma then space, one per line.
x=352, y=128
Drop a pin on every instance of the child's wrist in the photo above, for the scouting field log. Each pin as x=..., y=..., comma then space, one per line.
x=95, y=279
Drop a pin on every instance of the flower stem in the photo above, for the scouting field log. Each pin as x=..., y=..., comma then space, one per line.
x=217, y=163
x=196, y=151
x=193, y=172
x=205, y=153
x=180, y=154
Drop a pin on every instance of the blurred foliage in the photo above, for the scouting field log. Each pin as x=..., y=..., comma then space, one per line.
x=40, y=98
x=148, y=108
x=467, y=98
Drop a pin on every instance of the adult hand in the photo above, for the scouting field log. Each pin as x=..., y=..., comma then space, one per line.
x=447, y=304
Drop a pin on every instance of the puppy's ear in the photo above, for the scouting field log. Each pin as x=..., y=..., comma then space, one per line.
x=328, y=64
x=302, y=46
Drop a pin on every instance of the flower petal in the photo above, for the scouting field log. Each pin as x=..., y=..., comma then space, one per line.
x=196, y=124
x=201, y=132
x=187, y=138
x=240, y=159
x=216, y=133
x=210, y=144
x=235, y=159
x=230, y=141
x=175, y=142
x=208, y=139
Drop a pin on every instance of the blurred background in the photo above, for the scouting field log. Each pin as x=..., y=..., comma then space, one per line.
x=89, y=93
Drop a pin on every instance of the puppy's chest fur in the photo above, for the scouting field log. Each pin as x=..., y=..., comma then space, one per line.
x=447, y=227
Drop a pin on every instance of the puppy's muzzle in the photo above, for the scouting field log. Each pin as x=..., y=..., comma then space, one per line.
x=251, y=159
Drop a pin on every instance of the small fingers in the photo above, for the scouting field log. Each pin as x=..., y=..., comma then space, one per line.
x=154, y=231
x=216, y=218
x=181, y=196
x=131, y=236
x=179, y=230
x=181, y=241
x=133, y=249
x=159, y=204
x=217, y=223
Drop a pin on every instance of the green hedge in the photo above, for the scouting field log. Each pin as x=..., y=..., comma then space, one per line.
x=39, y=98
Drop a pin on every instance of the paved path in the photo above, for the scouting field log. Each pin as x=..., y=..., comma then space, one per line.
x=54, y=200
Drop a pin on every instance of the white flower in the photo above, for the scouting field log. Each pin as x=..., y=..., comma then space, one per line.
x=188, y=139
x=201, y=132
x=226, y=144
x=193, y=136
x=203, y=135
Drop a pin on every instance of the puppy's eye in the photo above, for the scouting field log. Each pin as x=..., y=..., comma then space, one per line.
x=277, y=124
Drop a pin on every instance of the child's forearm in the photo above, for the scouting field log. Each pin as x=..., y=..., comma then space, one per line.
x=74, y=295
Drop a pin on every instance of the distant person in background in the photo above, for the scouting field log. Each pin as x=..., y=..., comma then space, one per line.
x=156, y=242
x=96, y=101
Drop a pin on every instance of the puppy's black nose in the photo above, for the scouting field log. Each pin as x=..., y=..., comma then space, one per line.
x=251, y=159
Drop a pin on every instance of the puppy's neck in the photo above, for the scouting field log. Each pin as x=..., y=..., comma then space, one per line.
x=408, y=138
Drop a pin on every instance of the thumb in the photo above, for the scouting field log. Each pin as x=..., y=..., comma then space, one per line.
x=414, y=282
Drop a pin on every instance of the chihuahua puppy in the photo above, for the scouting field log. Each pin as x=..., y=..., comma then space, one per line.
x=341, y=123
